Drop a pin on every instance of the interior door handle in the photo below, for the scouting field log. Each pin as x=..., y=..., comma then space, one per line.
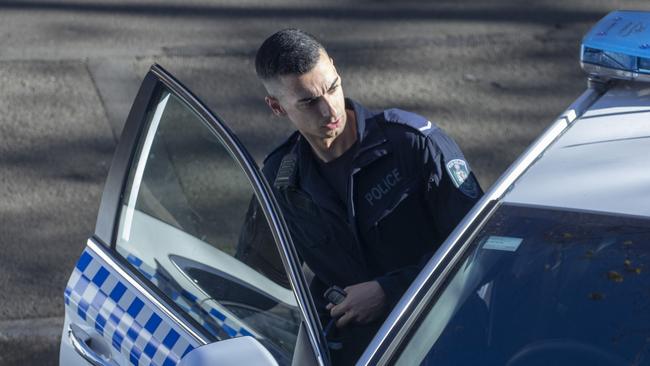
x=84, y=350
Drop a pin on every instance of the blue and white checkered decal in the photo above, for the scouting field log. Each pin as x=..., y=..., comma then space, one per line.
x=97, y=297
x=216, y=321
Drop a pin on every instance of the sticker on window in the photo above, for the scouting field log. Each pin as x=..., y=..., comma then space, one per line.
x=506, y=243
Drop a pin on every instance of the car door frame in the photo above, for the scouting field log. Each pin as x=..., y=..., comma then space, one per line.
x=105, y=235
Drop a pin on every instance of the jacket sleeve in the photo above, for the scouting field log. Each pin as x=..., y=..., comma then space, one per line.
x=395, y=283
x=451, y=187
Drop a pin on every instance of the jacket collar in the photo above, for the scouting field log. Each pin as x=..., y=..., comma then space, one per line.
x=370, y=136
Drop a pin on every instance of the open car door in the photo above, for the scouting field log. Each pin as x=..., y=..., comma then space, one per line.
x=189, y=248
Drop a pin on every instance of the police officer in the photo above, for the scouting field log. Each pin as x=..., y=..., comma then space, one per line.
x=368, y=196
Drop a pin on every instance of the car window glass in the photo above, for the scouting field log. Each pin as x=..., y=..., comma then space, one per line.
x=190, y=223
x=543, y=286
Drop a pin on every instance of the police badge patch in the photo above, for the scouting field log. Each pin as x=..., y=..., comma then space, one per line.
x=459, y=173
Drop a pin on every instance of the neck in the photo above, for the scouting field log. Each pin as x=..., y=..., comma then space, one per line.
x=330, y=149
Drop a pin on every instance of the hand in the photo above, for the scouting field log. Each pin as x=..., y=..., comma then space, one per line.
x=364, y=303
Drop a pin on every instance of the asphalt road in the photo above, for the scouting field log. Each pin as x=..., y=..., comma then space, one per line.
x=491, y=73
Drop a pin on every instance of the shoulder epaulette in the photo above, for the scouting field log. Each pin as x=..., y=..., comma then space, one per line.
x=412, y=120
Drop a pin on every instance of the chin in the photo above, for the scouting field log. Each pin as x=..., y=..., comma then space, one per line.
x=331, y=135
x=336, y=132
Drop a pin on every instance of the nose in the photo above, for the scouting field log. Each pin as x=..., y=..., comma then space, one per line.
x=326, y=107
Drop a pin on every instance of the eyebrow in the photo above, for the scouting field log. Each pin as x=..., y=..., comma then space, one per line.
x=308, y=99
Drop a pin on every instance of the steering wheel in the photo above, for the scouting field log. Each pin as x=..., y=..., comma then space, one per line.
x=564, y=352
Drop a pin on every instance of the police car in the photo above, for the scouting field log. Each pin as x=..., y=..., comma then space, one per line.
x=551, y=267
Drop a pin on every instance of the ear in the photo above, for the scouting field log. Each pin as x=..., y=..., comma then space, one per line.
x=275, y=106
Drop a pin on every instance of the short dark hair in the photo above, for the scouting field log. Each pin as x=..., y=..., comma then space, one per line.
x=289, y=51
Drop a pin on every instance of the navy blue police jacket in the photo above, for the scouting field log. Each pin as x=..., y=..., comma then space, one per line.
x=408, y=188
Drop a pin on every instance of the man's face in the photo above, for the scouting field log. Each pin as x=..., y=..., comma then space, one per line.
x=313, y=101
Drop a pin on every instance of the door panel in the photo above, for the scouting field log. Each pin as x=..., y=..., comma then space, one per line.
x=113, y=312
x=183, y=253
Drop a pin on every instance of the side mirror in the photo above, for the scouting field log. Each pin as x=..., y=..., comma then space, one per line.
x=230, y=352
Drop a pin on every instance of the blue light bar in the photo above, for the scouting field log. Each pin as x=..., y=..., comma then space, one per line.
x=618, y=46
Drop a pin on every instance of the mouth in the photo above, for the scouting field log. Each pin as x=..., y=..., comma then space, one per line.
x=334, y=124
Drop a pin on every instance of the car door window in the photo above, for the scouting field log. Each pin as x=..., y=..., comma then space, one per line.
x=191, y=225
x=542, y=286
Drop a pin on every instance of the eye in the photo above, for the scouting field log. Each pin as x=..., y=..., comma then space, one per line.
x=308, y=103
x=333, y=88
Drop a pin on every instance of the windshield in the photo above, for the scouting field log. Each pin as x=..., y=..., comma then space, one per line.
x=541, y=286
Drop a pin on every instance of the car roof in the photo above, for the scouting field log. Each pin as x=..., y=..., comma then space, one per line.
x=600, y=163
